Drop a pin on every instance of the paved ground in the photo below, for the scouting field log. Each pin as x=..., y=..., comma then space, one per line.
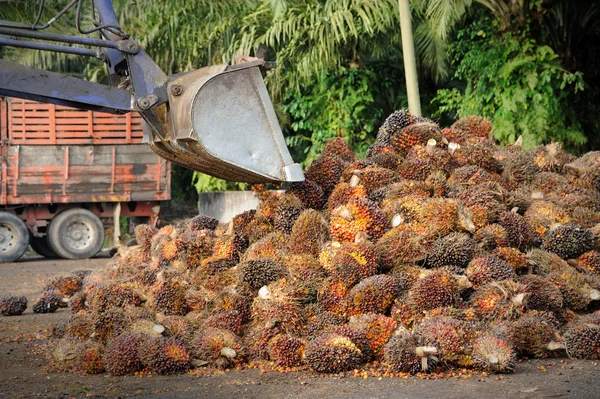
x=22, y=375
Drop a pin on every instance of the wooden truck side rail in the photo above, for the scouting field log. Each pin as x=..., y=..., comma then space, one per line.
x=56, y=159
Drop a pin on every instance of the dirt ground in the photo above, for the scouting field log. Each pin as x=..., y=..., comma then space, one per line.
x=22, y=374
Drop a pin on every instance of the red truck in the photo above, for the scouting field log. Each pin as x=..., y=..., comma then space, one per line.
x=66, y=173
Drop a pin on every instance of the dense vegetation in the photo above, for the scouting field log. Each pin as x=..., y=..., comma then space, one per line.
x=530, y=65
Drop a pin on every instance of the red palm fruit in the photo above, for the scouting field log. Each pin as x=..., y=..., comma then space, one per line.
x=474, y=125
x=164, y=356
x=377, y=328
x=493, y=355
x=286, y=350
x=485, y=269
x=405, y=244
x=309, y=233
x=332, y=296
x=358, y=215
x=325, y=171
x=230, y=246
x=339, y=148
x=434, y=290
x=417, y=133
x=221, y=348
x=373, y=295
x=501, y=300
x=230, y=320
x=121, y=355
x=310, y=193
x=332, y=353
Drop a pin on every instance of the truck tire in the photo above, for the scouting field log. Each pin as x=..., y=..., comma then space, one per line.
x=41, y=247
x=14, y=237
x=75, y=234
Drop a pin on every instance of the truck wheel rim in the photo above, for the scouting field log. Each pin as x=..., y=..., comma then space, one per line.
x=78, y=235
x=7, y=237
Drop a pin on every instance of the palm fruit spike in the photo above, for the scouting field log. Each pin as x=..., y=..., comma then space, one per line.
x=491, y=236
x=164, y=356
x=454, y=249
x=590, y=261
x=48, y=302
x=451, y=338
x=373, y=295
x=370, y=177
x=434, y=290
x=569, y=240
x=286, y=212
x=417, y=133
x=309, y=233
x=64, y=286
x=339, y=148
x=498, y=301
x=121, y=355
x=493, y=355
x=260, y=272
x=405, y=244
x=582, y=338
x=321, y=322
x=277, y=302
x=231, y=320
x=169, y=298
x=393, y=124
x=404, y=355
x=286, y=350
x=310, y=193
x=377, y=329
x=144, y=234
x=326, y=172
x=535, y=334
x=219, y=347
x=515, y=258
x=358, y=215
x=332, y=353
x=475, y=125
x=90, y=359
x=203, y=222
x=542, y=294
x=274, y=245
x=520, y=234
x=477, y=154
x=12, y=305
x=485, y=269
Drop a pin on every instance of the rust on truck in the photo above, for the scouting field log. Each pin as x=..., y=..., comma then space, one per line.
x=53, y=154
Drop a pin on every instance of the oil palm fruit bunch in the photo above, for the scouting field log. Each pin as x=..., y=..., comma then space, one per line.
x=12, y=305
x=438, y=250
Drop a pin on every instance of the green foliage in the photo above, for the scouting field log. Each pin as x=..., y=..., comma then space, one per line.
x=340, y=105
x=205, y=183
x=517, y=83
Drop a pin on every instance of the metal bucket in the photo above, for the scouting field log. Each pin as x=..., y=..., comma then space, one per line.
x=223, y=124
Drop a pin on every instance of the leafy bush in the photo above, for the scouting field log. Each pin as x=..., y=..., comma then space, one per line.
x=517, y=83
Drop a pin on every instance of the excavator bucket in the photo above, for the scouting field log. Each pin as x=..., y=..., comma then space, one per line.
x=223, y=124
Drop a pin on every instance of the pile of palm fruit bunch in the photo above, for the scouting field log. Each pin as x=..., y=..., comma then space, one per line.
x=439, y=250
